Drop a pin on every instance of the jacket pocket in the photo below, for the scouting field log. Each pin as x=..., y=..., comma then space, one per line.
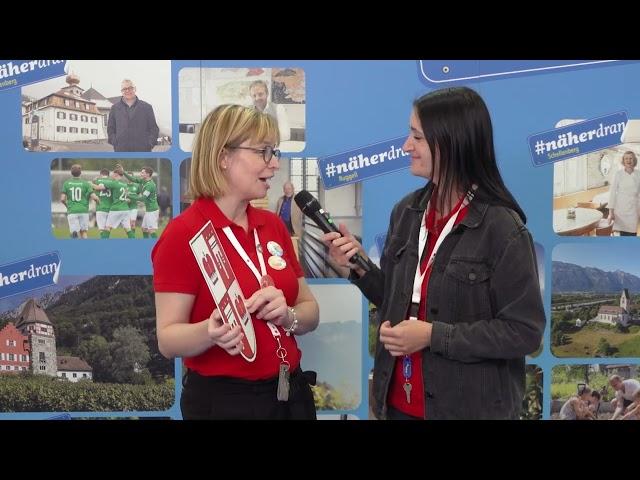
x=469, y=280
x=492, y=386
x=482, y=392
x=470, y=272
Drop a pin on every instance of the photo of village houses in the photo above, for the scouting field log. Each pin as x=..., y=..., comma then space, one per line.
x=101, y=106
x=595, y=392
x=84, y=344
x=595, y=301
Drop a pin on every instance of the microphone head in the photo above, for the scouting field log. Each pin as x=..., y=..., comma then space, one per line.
x=306, y=202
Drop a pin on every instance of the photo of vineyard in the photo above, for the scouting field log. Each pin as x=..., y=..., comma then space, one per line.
x=85, y=344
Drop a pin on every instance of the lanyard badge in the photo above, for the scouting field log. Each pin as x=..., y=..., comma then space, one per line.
x=406, y=371
x=265, y=281
x=420, y=274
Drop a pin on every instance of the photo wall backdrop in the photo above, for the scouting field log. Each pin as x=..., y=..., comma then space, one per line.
x=77, y=318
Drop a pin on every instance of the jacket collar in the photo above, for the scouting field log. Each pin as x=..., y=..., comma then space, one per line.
x=124, y=104
x=421, y=199
x=475, y=214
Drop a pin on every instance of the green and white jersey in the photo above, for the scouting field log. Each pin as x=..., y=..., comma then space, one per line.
x=77, y=192
x=133, y=178
x=134, y=189
x=149, y=194
x=119, y=194
x=105, y=196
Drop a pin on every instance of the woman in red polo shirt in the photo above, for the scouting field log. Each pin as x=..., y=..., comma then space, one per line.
x=234, y=157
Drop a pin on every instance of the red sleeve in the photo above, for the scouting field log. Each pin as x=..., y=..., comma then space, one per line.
x=289, y=251
x=174, y=267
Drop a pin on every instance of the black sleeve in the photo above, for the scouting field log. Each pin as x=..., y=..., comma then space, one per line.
x=372, y=283
x=153, y=127
x=111, y=127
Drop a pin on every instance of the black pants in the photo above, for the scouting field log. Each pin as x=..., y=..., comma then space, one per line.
x=226, y=398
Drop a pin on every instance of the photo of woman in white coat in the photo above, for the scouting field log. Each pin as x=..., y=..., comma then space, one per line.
x=624, y=196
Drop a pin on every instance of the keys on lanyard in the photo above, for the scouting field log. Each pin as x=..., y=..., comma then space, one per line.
x=283, y=382
x=407, y=391
x=406, y=370
x=284, y=372
x=406, y=367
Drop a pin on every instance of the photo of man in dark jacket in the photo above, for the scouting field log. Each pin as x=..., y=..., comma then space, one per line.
x=132, y=124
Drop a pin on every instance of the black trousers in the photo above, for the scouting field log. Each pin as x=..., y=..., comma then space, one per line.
x=226, y=398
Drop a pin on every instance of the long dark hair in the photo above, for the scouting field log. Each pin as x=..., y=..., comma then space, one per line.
x=456, y=124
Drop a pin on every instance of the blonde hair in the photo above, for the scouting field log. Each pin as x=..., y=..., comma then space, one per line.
x=633, y=154
x=224, y=126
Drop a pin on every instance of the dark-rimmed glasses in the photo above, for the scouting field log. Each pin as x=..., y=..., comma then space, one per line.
x=267, y=152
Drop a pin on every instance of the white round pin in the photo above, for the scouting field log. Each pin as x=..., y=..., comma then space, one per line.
x=277, y=263
x=274, y=248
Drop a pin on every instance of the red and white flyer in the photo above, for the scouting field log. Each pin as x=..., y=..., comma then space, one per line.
x=224, y=286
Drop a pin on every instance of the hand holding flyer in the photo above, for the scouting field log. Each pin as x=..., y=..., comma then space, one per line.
x=223, y=285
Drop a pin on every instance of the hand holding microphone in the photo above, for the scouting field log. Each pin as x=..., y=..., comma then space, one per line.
x=343, y=247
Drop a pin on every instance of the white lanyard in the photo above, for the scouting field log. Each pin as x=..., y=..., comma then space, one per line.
x=424, y=233
x=263, y=268
x=243, y=254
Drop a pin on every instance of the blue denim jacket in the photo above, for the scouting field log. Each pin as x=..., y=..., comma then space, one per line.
x=483, y=300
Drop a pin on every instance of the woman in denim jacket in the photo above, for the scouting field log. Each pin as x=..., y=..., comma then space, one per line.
x=457, y=290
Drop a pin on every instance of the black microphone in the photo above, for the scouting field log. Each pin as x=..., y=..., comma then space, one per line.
x=312, y=209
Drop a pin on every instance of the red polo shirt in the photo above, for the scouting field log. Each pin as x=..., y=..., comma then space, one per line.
x=175, y=270
x=397, y=396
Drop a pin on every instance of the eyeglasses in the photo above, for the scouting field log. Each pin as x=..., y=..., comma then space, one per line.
x=267, y=152
x=127, y=89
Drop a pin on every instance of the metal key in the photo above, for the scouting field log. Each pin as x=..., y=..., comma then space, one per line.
x=407, y=390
